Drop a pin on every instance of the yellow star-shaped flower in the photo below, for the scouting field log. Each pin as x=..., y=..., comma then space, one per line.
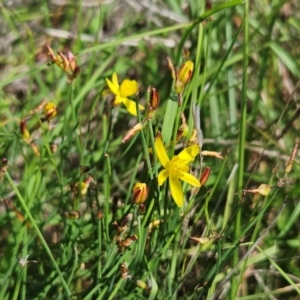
x=123, y=91
x=176, y=169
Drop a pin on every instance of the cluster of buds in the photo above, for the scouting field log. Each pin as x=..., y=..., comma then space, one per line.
x=65, y=61
x=182, y=76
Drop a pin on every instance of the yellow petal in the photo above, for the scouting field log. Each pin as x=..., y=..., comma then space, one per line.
x=176, y=190
x=190, y=179
x=162, y=176
x=118, y=100
x=113, y=88
x=128, y=88
x=130, y=105
x=188, y=154
x=161, y=152
x=115, y=80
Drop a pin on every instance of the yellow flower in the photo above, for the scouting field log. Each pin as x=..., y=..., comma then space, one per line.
x=123, y=91
x=176, y=168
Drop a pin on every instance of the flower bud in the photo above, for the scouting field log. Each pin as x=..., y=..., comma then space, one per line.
x=139, y=193
x=153, y=104
x=50, y=111
x=132, y=132
x=171, y=67
x=185, y=72
x=178, y=86
x=24, y=131
x=204, y=175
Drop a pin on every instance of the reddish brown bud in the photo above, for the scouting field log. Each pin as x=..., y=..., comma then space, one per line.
x=153, y=103
x=204, y=175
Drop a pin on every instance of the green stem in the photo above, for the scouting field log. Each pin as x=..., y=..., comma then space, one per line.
x=39, y=233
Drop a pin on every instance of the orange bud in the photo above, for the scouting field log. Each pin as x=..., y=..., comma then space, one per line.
x=185, y=72
x=132, y=132
x=24, y=131
x=204, y=175
x=50, y=111
x=139, y=193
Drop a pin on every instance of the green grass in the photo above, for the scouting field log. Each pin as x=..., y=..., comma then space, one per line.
x=244, y=86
